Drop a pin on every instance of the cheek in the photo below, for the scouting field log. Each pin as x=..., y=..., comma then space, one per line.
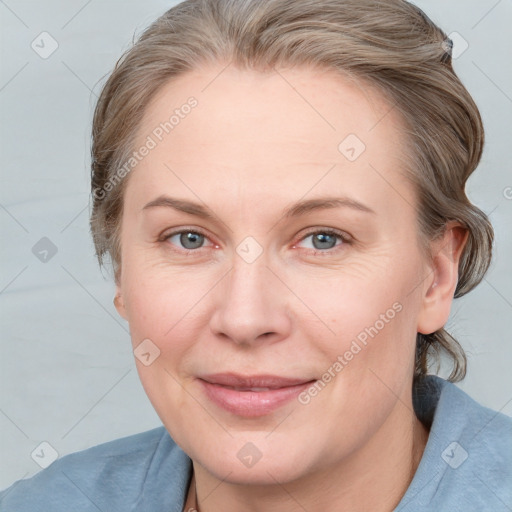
x=350, y=302
x=161, y=313
x=166, y=306
x=157, y=314
x=372, y=318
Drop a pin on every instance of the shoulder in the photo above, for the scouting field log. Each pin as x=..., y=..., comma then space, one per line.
x=467, y=462
x=479, y=457
x=485, y=434
x=111, y=476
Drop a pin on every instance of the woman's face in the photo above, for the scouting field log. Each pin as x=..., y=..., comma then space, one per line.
x=274, y=332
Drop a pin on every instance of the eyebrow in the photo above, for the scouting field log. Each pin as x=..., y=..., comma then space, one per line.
x=323, y=203
x=294, y=210
x=181, y=205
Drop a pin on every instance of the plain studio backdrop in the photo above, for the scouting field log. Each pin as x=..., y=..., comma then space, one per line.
x=68, y=376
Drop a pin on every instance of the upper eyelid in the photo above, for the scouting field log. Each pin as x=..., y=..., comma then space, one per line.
x=345, y=237
x=166, y=235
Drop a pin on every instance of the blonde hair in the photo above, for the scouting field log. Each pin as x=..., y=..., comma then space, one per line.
x=390, y=44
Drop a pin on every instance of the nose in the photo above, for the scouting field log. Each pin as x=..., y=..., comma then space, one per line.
x=252, y=305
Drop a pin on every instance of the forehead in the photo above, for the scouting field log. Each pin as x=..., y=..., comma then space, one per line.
x=288, y=131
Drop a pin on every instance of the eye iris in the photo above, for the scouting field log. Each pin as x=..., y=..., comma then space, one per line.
x=189, y=237
x=323, y=238
x=192, y=240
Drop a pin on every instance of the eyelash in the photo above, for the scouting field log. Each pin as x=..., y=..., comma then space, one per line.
x=315, y=252
x=331, y=232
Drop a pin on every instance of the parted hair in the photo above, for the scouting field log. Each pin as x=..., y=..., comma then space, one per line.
x=391, y=45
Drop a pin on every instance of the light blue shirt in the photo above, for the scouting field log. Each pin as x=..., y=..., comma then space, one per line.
x=466, y=466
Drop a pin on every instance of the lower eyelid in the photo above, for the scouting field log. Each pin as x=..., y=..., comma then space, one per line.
x=166, y=237
x=340, y=236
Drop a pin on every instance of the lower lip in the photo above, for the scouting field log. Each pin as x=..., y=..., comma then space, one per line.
x=251, y=403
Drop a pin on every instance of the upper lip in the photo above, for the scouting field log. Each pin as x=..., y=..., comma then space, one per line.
x=253, y=381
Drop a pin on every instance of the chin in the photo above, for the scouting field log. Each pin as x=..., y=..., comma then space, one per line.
x=242, y=462
x=262, y=473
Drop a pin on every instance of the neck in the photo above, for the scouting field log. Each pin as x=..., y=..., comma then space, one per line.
x=375, y=478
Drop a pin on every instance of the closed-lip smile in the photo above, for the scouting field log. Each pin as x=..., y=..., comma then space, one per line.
x=251, y=395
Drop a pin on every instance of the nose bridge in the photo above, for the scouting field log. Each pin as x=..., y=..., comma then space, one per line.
x=250, y=302
x=248, y=281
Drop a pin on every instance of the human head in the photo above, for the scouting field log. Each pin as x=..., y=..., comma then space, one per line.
x=396, y=49
x=400, y=91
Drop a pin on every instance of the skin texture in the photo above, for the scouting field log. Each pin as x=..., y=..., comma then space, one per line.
x=251, y=147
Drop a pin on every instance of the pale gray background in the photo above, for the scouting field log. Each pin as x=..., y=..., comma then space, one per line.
x=67, y=371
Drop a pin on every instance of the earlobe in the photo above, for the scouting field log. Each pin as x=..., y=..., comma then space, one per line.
x=442, y=280
x=119, y=304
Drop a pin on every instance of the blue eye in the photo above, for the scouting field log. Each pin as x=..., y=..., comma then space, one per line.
x=188, y=239
x=325, y=240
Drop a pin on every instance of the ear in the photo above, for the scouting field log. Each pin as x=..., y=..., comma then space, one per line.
x=119, y=303
x=442, y=280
